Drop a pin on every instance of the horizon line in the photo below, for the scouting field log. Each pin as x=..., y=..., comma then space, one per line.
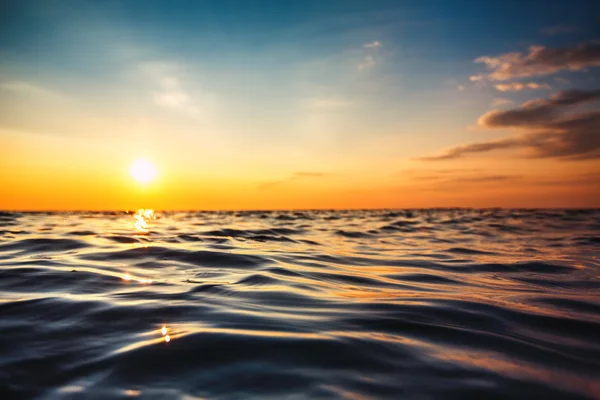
x=127, y=211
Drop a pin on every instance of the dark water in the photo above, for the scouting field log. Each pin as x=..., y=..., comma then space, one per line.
x=291, y=305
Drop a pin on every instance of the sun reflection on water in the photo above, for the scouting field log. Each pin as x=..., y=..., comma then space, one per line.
x=127, y=277
x=141, y=218
x=163, y=332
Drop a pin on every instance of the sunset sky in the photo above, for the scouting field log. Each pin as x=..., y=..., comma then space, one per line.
x=299, y=104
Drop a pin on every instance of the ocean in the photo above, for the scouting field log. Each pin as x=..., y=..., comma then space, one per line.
x=366, y=304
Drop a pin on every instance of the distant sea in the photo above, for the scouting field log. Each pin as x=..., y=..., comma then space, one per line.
x=423, y=304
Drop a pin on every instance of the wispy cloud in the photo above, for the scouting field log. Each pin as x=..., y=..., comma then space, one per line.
x=175, y=89
x=26, y=88
x=172, y=95
x=518, y=86
x=373, y=45
x=294, y=177
x=418, y=172
x=448, y=180
x=457, y=176
x=460, y=151
x=500, y=101
x=368, y=62
x=549, y=130
x=486, y=178
x=558, y=29
x=540, y=60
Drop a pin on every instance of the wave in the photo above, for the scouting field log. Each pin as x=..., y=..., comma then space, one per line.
x=440, y=303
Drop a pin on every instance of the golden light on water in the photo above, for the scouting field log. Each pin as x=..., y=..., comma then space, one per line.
x=143, y=171
x=141, y=217
x=140, y=223
x=127, y=277
x=163, y=332
x=146, y=213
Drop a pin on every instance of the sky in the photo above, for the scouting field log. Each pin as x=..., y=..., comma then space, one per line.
x=299, y=104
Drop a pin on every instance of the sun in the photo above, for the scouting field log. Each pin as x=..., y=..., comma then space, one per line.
x=143, y=171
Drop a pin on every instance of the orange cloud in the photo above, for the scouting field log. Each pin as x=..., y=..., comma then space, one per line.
x=518, y=86
x=549, y=130
x=541, y=60
x=500, y=102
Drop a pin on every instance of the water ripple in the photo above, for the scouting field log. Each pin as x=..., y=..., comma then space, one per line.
x=300, y=304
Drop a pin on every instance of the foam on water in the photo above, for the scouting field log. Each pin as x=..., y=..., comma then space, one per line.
x=311, y=304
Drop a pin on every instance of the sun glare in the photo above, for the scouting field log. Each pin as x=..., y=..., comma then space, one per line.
x=143, y=171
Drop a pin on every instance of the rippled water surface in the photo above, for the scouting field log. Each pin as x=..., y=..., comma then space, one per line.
x=328, y=304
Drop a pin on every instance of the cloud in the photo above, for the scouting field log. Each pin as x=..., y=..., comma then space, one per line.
x=486, y=178
x=373, y=45
x=547, y=129
x=459, y=151
x=173, y=96
x=438, y=171
x=368, y=62
x=557, y=29
x=26, y=89
x=327, y=103
x=476, y=78
x=176, y=89
x=500, y=102
x=538, y=113
x=541, y=60
x=294, y=177
x=426, y=179
x=461, y=88
x=518, y=86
